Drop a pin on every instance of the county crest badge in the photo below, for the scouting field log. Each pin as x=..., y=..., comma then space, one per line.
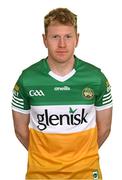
x=88, y=93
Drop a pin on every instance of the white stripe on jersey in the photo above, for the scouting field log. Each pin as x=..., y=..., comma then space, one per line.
x=62, y=119
x=20, y=110
x=105, y=102
x=19, y=99
x=20, y=103
x=17, y=105
x=108, y=97
x=100, y=108
x=107, y=94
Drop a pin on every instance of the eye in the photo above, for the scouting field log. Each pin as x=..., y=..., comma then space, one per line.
x=68, y=36
x=55, y=36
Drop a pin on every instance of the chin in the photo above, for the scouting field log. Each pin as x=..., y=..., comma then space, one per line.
x=62, y=60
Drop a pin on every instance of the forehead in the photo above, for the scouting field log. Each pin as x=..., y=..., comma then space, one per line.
x=60, y=29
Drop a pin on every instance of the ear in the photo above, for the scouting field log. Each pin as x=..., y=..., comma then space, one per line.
x=44, y=40
x=77, y=39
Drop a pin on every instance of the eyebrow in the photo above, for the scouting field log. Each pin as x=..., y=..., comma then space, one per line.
x=55, y=34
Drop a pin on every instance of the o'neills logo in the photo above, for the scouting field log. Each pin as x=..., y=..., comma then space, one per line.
x=72, y=118
x=64, y=88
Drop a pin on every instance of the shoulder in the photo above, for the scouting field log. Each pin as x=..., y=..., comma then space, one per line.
x=84, y=64
x=88, y=69
x=32, y=73
x=33, y=69
x=90, y=73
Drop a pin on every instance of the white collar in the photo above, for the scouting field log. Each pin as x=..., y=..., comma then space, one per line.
x=62, y=78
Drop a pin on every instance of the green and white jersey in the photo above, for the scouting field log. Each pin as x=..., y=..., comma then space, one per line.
x=39, y=86
x=62, y=110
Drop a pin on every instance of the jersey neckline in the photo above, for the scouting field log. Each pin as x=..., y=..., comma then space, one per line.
x=61, y=78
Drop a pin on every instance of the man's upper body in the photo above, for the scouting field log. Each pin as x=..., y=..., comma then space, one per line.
x=62, y=107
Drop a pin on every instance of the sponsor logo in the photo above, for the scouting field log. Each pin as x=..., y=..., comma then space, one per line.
x=71, y=110
x=88, y=93
x=36, y=93
x=95, y=175
x=64, y=88
x=16, y=87
x=70, y=118
x=108, y=86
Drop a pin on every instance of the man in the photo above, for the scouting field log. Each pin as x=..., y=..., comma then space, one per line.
x=62, y=107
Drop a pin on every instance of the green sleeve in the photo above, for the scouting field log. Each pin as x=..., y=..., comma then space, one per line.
x=20, y=101
x=103, y=98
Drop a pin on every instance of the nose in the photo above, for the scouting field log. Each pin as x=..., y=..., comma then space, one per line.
x=62, y=42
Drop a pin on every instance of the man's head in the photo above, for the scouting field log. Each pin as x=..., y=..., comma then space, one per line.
x=61, y=16
x=60, y=36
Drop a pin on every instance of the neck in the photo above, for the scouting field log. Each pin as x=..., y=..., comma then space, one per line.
x=61, y=68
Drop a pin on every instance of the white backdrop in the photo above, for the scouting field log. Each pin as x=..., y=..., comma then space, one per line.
x=21, y=26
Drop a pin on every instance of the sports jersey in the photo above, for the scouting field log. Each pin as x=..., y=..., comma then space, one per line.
x=63, y=132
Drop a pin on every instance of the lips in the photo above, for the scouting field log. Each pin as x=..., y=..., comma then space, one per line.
x=61, y=52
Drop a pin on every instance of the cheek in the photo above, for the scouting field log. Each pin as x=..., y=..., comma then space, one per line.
x=72, y=45
x=51, y=45
x=51, y=48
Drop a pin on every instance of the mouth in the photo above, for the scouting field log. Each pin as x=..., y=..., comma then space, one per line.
x=61, y=52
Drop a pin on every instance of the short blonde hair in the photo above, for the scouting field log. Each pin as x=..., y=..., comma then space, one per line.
x=62, y=16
